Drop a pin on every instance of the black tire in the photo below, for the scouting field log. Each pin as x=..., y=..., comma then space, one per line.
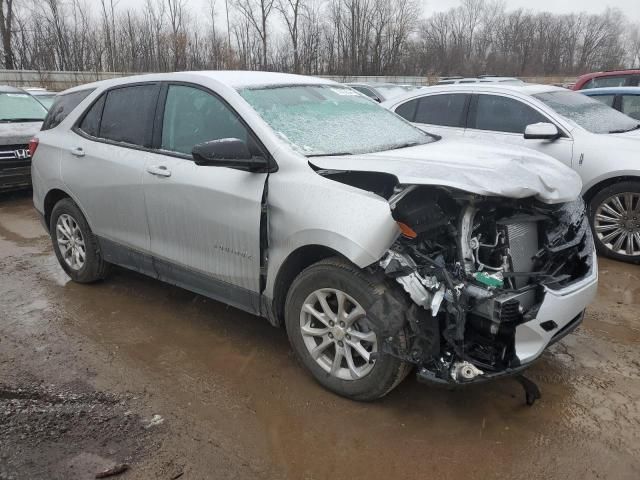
x=631, y=186
x=335, y=273
x=95, y=268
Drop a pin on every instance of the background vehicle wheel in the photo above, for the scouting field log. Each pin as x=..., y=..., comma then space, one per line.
x=615, y=220
x=75, y=245
x=333, y=333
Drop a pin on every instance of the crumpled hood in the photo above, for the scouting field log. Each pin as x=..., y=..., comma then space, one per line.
x=17, y=133
x=470, y=165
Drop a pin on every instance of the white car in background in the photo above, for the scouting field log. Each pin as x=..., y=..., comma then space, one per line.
x=598, y=142
x=44, y=96
x=481, y=79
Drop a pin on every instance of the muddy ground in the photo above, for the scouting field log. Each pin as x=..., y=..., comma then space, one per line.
x=178, y=386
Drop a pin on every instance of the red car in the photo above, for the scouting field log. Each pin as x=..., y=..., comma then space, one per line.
x=614, y=78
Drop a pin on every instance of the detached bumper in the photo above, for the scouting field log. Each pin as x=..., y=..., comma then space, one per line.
x=560, y=312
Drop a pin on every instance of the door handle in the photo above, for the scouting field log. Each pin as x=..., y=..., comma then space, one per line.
x=77, y=151
x=159, y=170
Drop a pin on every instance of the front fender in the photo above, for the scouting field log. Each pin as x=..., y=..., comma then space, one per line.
x=587, y=186
x=310, y=210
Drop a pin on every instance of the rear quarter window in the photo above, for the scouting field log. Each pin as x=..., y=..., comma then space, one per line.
x=62, y=106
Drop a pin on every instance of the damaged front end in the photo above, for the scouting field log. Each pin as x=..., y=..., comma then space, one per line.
x=495, y=280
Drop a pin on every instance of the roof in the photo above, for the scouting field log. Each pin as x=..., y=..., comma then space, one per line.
x=526, y=89
x=9, y=89
x=234, y=79
x=372, y=84
x=41, y=93
x=611, y=91
x=243, y=79
x=611, y=73
x=583, y=79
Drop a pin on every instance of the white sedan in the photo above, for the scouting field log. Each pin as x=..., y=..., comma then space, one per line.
x=598, y=142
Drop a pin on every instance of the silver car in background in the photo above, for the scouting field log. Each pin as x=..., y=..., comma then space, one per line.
x=598, y=142
x=378, y=247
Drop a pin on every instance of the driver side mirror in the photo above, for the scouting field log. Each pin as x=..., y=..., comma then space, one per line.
x=228, y=152
x=541, y=131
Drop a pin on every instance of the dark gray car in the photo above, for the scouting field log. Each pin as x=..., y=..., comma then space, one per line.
x=21, y=116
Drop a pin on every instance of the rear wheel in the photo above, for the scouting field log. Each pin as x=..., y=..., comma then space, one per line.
x=76, y=247
x=334, y=334
x=615, y=220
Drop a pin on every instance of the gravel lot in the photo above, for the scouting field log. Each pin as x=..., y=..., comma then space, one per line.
x=178, y=386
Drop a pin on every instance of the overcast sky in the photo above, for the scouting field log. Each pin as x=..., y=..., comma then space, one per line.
x=630, y=7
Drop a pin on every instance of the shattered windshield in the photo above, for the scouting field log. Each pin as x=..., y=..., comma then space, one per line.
x=331, y=120
x=590, y=114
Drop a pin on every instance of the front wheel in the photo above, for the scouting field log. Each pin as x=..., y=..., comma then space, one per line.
x=615, y=220
x=334, y=334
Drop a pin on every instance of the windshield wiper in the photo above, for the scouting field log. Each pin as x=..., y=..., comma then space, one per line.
x=18, y=120
x=625, y=131
x=340, y=154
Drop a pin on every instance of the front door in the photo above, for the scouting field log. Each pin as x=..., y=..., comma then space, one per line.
x=204, y=221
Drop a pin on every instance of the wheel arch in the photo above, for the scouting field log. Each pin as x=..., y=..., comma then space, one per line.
x=594, y=189
x=52, y=197
x=291, y=267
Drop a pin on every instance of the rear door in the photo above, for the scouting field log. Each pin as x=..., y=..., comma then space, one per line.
x=503, y=119
x=204, y=221
x=442, y=114
x=104, y=164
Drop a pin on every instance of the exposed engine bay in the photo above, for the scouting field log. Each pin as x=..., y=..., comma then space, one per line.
x=477, y=267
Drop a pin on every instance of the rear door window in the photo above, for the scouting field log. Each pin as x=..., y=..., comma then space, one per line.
x=446, y=110
x=128, y=114
x=504, y=114
x=631, y=106
x=62, y=106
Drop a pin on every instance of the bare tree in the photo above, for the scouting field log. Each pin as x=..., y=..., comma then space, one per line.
x=256, y=13
x=291, y=11
x=339, y=37
x=176, y=9
x=6, y=29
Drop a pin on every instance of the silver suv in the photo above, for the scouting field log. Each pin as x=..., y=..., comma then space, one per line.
x=378, y=246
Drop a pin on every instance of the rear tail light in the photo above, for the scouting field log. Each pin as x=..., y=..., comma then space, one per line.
x=33, y=145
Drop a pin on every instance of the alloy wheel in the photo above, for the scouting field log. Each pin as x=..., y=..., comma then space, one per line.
x=70, y=241
x=617, y=223
x=337, y=334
